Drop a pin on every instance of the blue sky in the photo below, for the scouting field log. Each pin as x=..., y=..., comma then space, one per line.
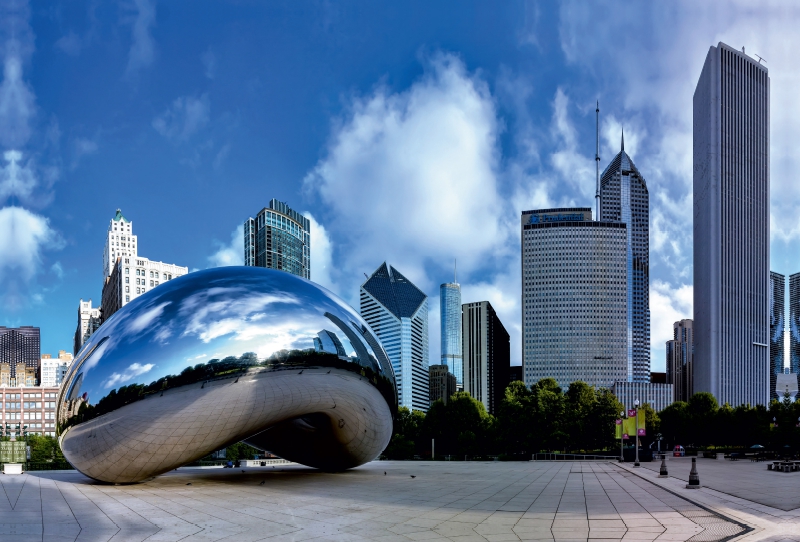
x=411, y=133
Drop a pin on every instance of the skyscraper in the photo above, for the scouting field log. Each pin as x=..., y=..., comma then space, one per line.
x=450, y=310
x=89, y=319
x=279, y=238
x=487, y=354
x=397, y=311
x=20, y=356
x=126, y=274
x=680, y=359
x=777, y=290
x=624, y=198
x=794, y=325
x=442, y=383
x=731, y=228
x=575, y=298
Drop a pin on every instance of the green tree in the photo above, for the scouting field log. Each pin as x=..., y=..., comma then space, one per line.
x=600, y=422
x=703, y=408
x=239, y=451
x=675, y=423
x=407, y=434
x=516, y=428
x=579, y=402
x=548, y=402
x=460, y=427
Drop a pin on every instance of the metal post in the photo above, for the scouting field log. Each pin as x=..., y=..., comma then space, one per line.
x=663, y=472
x=636, y=413
x=622, y=440
x=694, y=478
x=433, y=442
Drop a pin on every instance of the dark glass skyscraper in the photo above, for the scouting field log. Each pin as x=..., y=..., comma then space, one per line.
x=397, y=311
x=680, y=360
x=450, y=310
x=20, y=356
x=777, y=289
x=279, y=238
x=731, y=228
x=624, y=198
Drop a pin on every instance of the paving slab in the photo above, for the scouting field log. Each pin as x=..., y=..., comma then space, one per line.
x=383, y=500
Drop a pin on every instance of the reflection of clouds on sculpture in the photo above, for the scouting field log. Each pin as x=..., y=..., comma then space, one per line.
x=133, y=370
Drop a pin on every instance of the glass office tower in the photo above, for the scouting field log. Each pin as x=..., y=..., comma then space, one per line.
x=450, y=307
x=777, y=289
x=731, y=228
x=397, y=311
x=624, y=198
x=279, y=238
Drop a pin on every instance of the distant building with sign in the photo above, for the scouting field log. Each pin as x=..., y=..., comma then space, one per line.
x=575, y=298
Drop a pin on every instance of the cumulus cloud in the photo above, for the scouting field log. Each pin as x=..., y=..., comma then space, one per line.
x=668, y=304
x=230, y=254
x=23, y=237
x=321, y=253
x=143, y=47
x=414, y=174
x=209, y=60
x=183, y=118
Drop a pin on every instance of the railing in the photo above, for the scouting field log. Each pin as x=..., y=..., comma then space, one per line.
x=573, y=457
x=54, y=465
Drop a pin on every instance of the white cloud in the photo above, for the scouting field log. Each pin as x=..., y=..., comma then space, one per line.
x=230, y=254
x=411, y=178
x=143, y=47
x=23, y=237
x=668, y=304
x=70, y=43
x=17, y=102
x=183, y=118
x=133, y=370
x=209, y=60
x=321, y=253
x=17, y=178
x=83, y=147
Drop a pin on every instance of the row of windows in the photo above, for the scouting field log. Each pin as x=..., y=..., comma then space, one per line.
x=28, y=416
x=33, y=395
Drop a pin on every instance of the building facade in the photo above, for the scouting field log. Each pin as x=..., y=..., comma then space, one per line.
x=442, y=383
x=52, y=370
x=680, y=360
x=794, y=325
x=624, y=198
x=397, y=311
x=777, y=291
x=731, y=228
x=279, y=238
x=120, y=242
x=658, y=396
x=487, y=354
x=515, y=373
x=25, y=409
x=132, y=277
x=20, y=356
x=89, y=319
x=574, y=298
x=450, y=310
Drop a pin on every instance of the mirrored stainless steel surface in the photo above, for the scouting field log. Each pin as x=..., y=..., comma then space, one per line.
x=220, y=356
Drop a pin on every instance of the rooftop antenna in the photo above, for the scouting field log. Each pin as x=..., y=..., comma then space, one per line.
x=597, y=160
x=760, y=58
x=367, y=276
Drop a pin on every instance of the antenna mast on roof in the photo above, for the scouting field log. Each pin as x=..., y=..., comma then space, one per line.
x=597, y=160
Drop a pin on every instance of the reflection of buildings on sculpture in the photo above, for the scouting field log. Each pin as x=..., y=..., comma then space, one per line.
x=128, y=275
x=575, y=299
x=34, y=408
x=279, y=238
x=89, y=319
x=19, y=356
x=53, y=370
x=442, y=383
x=397, y=311
x=487, y=354
x=680, y=360
x=786, y=385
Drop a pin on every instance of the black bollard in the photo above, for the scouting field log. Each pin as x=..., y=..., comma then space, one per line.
x=663, y=472
x=694, y=478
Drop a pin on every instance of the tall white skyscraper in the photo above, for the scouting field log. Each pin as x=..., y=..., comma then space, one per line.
x=450, y=311
x=89, y=319
x=128, y=275
x=397, y=311
x=731, y=228
x=120, y=241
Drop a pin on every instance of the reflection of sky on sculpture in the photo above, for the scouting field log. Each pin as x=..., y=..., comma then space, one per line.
x=226, y=311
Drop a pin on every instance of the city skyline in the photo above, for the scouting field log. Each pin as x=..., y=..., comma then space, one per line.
x=110, y=112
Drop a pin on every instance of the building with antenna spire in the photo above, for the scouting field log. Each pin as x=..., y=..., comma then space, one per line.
x=624, y=198
x=450, y=311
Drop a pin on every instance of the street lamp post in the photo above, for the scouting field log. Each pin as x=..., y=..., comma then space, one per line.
x=621, y=439
x=636, y=413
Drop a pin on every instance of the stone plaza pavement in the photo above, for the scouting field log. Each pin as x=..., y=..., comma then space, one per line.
x=383, y=500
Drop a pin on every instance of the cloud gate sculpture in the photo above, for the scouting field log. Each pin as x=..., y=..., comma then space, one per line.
x=221, y=356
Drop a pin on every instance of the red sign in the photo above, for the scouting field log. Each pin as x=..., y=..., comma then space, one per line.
x=631, y=413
